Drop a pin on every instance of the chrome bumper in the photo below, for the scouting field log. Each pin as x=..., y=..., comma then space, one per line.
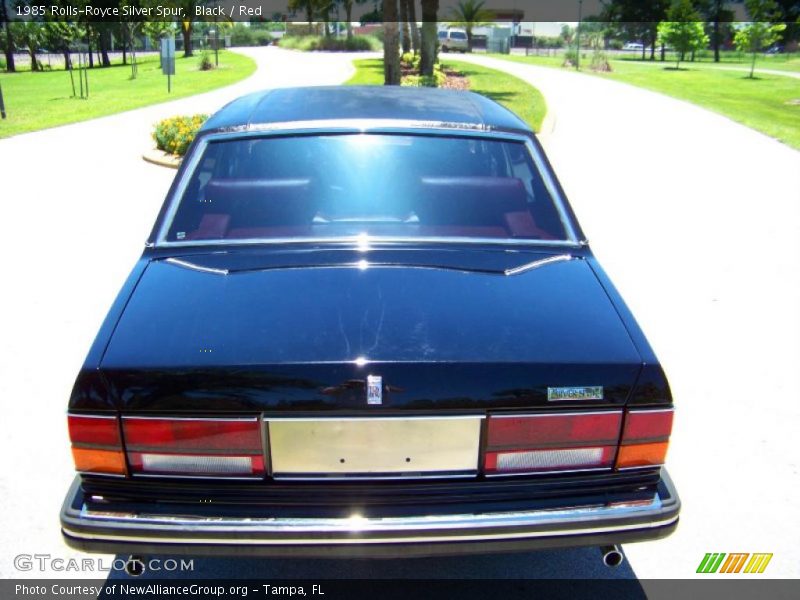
x=123, y=531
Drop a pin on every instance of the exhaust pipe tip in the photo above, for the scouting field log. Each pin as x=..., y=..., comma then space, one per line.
x=134, y=566
x=612, y=556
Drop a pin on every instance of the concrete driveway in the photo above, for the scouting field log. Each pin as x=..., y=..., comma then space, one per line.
x=694, y=216
x=697, y=220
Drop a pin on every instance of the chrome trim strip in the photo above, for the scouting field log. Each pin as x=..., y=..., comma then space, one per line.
x=99, y=474
x=539, y=473
x=194, y=267
x=372, y=419
x=359, y=477
x=405, y=529
x=558, y=414
x=374, y=239
x=142, y=417
x=95, y=416
x=361, y=126
x=538, y=263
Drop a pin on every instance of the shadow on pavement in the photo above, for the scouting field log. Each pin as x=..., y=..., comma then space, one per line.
x=565, y=565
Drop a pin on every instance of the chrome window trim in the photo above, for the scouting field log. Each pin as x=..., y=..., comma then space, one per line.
x=372, y=126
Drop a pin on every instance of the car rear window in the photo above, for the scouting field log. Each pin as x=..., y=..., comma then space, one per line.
x=381, y=185
x=458, y=35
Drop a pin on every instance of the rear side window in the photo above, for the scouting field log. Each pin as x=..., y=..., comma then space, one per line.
x=396, y=186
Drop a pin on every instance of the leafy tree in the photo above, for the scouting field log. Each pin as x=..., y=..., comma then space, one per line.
x=391, y=39
x=31, y=35
x=348, y=14
x=309, y=7
x=430, y=8
x=720, y=17
x=59, y=34
x=637, y=20
x=761, y=32
x=683, y=30
x=469, y=14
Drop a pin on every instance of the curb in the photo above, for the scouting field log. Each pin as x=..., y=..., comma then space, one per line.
x=162, y=159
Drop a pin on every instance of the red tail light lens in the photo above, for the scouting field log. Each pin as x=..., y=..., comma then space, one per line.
x=194, y=447
x=96, y=444
x=645, y=438
x=547, y=442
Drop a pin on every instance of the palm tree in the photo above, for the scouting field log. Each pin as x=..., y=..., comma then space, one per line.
x=430, y=8
x=469, y=14
x=391, y=44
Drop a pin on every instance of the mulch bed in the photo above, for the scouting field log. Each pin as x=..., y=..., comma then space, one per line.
x=455, y=80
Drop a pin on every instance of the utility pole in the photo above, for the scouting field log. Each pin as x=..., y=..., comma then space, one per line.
x=578, y=37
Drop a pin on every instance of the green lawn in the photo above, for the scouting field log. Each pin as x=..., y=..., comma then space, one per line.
x=516, y=95
x=769, y=103
x=40, y=100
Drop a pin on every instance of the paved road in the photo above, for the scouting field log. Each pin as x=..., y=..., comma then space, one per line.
x=697, y=220
x=695, y=217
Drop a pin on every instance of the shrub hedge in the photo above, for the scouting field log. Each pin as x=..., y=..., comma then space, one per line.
x=310, y=43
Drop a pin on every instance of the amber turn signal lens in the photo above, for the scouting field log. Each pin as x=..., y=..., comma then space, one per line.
x=91, y=460
x=642, y=455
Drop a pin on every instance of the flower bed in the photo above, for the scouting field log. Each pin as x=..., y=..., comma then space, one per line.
x=174, y=135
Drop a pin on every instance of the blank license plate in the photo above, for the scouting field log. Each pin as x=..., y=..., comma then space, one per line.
x=374, y=446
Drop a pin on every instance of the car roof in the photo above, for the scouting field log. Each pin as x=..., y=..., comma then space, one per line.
x=384, y=103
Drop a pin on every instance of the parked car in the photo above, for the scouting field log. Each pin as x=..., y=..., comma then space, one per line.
x=367, y=323
x=453, y=39
x=633, y=47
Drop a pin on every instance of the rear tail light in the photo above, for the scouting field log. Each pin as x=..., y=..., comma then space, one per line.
x=96, y=444
x=645, y=438
x=194, y=447
x=547, y=442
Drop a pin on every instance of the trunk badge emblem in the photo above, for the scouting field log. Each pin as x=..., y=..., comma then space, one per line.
x=374, y=389
x=589, y=392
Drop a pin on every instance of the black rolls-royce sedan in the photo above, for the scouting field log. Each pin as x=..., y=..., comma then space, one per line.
x=367, y=323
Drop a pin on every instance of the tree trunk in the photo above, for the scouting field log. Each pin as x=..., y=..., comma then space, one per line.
x=753, y=67
x=412, y=22
x=67, y=59
x=105, y=43
x=10, y=66
x=348, y=15
x=429, y=39
x=186, y=27
x=716, y=38
x=89, y=48
x=469, y=38
x=34, y=63
x=663, y=52
x=391, y=56
x=405, y=39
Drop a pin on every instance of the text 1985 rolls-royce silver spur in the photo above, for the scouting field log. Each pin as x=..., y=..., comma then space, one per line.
x=367, y=323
